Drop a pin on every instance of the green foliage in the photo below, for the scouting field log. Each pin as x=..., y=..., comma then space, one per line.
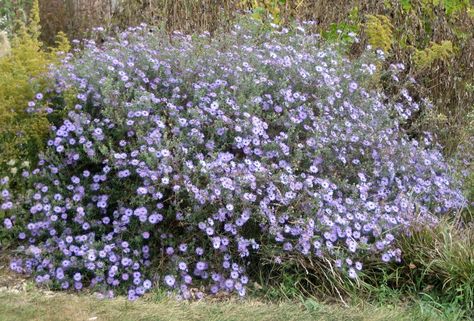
x=12, y=12
x=406, y=5
x=264, y=8
x=435, y=52
x=23, y=72
x=453, y=7
x=344, y=31
x=34, y=21
x=450, y=7
x=340, y=32
x=62, y=44
x=379, y=32
x=470, y=11
x=442, y=260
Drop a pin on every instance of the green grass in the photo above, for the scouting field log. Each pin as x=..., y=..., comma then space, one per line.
x=61, y=307
x=46, y=306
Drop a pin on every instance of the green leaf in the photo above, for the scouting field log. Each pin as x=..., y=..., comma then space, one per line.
x=406, y=5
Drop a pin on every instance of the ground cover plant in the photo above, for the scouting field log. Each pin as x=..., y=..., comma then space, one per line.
x=182, y=160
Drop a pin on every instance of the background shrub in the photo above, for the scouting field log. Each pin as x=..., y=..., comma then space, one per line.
x=12, y=12
x=183, y=160
x=23, y=81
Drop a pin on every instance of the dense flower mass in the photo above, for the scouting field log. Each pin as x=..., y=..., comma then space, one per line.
x=178, y=160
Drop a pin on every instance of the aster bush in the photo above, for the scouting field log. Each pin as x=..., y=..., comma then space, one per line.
x=182, y=160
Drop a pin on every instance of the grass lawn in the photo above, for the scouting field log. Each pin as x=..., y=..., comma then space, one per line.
x=46, y=306
x=20, y=300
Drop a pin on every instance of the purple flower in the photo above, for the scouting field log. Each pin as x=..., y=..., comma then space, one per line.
x=170, y=280
x=7, y=223
x=352, y=273
x=198, y=167
x=201, y=266
x=386, y=257
x=147, y=284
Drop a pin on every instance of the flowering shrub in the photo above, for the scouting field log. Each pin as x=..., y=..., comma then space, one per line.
x=182, y=160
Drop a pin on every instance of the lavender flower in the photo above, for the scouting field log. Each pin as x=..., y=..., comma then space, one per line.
x=278, y=135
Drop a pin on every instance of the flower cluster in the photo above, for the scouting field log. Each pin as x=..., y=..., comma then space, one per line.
x=180, y=159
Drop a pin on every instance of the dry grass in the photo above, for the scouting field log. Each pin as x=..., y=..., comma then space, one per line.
x=21, y=301
x=46, y=306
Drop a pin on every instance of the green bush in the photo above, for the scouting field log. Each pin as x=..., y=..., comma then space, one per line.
x=11, y=12
x=441, y=261
x=24, y=72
